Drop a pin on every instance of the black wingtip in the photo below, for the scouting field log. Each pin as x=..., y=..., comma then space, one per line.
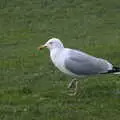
x=114, y=69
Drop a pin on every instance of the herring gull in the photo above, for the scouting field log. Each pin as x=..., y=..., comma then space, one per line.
x=76, y=63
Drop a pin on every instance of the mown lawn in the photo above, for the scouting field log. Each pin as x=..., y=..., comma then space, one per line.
x=31, y=88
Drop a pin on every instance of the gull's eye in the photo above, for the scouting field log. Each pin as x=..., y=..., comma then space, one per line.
x=50, y=43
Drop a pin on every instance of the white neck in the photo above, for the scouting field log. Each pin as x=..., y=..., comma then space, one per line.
x=55, y=52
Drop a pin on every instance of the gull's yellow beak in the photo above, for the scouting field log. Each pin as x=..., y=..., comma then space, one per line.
x=41, y=47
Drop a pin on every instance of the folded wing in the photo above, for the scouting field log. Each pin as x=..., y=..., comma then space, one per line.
x=81, y=63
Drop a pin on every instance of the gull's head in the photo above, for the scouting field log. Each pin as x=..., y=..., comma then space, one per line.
x=52, y=44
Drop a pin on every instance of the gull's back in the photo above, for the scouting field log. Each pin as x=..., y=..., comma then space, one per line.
x=81, y=63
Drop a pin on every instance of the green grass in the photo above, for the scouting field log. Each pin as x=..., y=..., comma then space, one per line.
x=31, y=88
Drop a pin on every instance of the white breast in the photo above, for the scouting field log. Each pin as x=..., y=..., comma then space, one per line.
x=58, y=56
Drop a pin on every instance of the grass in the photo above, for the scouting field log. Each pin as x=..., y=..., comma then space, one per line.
x=31, y=88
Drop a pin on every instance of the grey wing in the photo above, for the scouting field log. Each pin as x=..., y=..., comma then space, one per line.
x=81, y=63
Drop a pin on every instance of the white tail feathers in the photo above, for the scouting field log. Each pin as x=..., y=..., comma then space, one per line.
x=117, y=73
